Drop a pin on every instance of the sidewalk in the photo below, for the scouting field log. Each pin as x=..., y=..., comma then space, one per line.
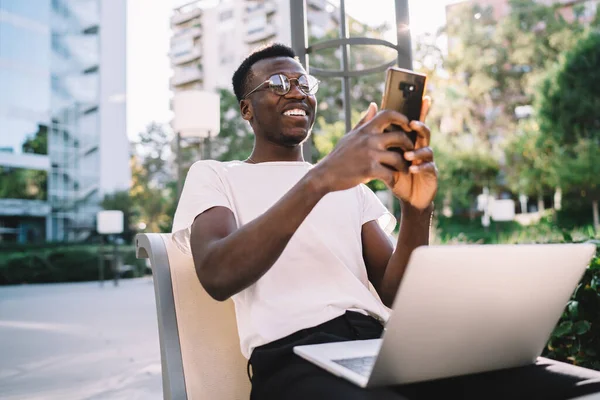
x=79, y=341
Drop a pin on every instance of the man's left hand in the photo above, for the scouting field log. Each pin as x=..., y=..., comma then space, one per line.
x=419, y=184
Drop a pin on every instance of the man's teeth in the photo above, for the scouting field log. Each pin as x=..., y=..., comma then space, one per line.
x=295, y=111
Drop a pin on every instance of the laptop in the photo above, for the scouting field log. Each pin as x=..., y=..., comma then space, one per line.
x=462, y=310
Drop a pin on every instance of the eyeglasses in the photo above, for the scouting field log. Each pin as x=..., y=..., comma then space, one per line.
x=281, y=84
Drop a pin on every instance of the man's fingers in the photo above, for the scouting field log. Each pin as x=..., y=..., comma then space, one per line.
x=425, y=107
x=423, y=133
x=384, y=174
x=423, y=169
x=419, y=156
x=391, y=159
x=385, y=118
x=395, y=139
x=371, y=112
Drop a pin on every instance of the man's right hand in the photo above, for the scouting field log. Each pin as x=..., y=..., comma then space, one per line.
x=362, y=155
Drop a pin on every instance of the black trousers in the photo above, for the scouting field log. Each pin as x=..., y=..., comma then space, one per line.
x=277, y=373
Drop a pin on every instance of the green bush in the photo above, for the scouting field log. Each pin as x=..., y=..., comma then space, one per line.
x=576, y=211
x=61, y=264
x=576, y=338
x=75, y=265
x=471, y=230
x=27, y=267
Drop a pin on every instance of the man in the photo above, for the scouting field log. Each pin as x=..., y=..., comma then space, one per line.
x=303, y=249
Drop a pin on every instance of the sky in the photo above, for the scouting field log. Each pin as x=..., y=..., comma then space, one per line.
x=149, y=32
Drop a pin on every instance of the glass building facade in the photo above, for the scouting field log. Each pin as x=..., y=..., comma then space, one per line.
x=24, y=119
x=73, y=143
x=50, y=97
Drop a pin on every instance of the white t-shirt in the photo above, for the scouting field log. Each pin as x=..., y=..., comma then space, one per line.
x=321, y=272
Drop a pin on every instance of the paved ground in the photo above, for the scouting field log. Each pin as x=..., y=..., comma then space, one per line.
x=79, y=341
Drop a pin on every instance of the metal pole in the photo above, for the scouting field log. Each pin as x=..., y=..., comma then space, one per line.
x=101, y=262
x=115, y=261
x=178, y=156
x=298, y=25
x=403, y=35
x=208, y=149
x=345, y=68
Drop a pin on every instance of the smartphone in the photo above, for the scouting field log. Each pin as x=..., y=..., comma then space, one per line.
x=404, y=90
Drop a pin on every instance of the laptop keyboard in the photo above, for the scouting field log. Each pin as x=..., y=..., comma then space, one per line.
x=361, y=365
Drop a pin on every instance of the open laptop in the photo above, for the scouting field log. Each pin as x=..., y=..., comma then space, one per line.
x=461, y=310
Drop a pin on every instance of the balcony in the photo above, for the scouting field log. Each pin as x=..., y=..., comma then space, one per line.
x=190, y=32
x=186, y=57
x=182, y=15
x=183, y=76
x=268, y=7
x=36, y=162
x=24, y=208
x=260, y=34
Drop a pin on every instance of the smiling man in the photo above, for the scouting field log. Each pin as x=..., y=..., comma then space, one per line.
x=303, y=249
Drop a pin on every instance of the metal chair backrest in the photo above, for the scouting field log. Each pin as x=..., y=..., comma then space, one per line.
x=199, y=342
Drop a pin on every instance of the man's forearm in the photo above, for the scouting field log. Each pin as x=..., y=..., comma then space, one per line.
x=240, y=259
x=414, y=232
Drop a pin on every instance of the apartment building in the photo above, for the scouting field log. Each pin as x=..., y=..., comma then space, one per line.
x=63, y=142
x=208, y=44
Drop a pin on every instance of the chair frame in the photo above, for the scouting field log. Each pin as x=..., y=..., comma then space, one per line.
x=152, y=246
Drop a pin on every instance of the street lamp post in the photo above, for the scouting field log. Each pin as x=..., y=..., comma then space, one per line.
x=109, y=222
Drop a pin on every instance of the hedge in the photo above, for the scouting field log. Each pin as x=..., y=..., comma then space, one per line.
x=61, y=264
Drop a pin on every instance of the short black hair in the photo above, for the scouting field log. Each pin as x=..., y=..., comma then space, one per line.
x=243, y=75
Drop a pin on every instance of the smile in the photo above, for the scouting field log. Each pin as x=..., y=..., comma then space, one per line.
x=295, y=112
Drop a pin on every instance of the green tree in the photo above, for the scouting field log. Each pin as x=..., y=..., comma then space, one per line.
x=152, y=172
x=38, y=143
x=493, y=67
x=152, y=151
x=568, y=115
x=20, y=183
x=529, y=168
x=235, y=140
x=472, y=90
x=533, y=36
x=465, y=168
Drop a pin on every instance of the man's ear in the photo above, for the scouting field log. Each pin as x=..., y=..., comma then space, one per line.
x=246, y=109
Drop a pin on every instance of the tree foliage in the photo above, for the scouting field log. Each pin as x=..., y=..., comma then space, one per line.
x=27, y=184
x=38, y=143
x=570, y=95
x=152, y=190
x=235, y=140
x=528, y=166
x=20, y=183
x=569, y=120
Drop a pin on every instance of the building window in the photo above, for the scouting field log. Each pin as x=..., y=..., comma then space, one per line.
x=226, y=15
x=257, y=24
x=182, y=47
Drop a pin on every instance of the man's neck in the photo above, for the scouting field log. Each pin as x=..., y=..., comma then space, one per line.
x=265, y=152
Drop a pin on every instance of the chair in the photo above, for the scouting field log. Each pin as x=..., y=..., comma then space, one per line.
x=199, y=342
